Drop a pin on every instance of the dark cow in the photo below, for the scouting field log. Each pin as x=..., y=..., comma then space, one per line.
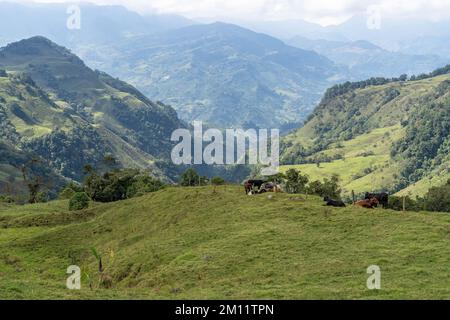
x=256, y=183
x=383, y=198
x=333, y=203
x=250, y=184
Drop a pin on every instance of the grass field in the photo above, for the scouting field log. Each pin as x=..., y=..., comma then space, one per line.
x=191, y=243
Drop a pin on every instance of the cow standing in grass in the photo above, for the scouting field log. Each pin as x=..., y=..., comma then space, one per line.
x=248, y=187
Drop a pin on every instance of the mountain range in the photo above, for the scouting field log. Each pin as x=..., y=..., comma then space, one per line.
x=397, y=34
x=222, y=74
x=98, y=24
x=365, y=60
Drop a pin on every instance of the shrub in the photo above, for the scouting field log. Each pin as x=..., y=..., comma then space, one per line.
x=6, y=199
x=79, y=201
x=217, y=181
x=396, y=203
x=118, y=185
x=142, y=185
x=190, y=178
x=438, y=199
x=41, y=197
x=66, y=193
x=295, y=181
x=327, y=188
x=70, y=190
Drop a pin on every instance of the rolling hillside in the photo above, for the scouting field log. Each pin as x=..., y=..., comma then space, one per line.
x=191, y=243
x=393, y=136
x=222, y=74
x=55, y=107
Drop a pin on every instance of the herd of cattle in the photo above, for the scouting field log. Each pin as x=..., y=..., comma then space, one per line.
x=260, y=186
x=370, y=201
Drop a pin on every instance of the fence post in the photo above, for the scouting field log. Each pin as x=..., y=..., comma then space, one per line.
x=404, y=203
x=353, y=196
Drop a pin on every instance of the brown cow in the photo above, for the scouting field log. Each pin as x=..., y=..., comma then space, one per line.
x=368, y=203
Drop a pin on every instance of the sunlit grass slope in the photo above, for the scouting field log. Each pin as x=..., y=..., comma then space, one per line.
x=383, y=112
x=195, y=244
x=366, y=163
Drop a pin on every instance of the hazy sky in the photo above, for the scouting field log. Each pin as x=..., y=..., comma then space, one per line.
x=320, y=11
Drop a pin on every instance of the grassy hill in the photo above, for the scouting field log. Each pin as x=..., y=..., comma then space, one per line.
x=393, y=136
x=195, y=244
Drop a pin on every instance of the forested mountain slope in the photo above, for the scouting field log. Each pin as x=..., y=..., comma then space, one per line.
x=379, y=134
x=55, y=107
x=222, y=74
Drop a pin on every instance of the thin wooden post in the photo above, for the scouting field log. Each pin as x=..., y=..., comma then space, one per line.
x=353, y=196
x=404, y=203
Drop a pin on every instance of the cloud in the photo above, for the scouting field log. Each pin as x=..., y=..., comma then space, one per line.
x=320, y=11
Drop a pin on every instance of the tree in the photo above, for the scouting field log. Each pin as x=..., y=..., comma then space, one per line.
x=331, y=187
x=438, y=199
x=79, y=201
x=66, y=193
x=295, y=181
x=6, y=199
x=143, y=184
x=34, y=182
x=315, y=187
x=327, y=188
x=217, y=181
x=70, y=190
x=190, y=178
x=278, y=178
x=119, y=184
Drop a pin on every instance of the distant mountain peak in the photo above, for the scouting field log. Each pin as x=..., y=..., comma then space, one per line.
x=37, y=42
x=37, y=46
